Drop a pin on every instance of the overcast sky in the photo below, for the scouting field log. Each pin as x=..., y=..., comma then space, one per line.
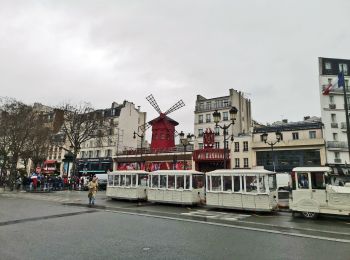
x=105, y=51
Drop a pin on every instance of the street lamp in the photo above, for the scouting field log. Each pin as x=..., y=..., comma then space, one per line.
x=217, y=117
x=278, y=139
x=141, y=136
x=185, y=142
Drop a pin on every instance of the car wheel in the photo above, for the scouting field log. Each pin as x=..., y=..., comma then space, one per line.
x=309, y=215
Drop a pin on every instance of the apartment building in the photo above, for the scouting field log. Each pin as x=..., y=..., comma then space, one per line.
x=301, y=144
x=333, y=109
x=213, y=158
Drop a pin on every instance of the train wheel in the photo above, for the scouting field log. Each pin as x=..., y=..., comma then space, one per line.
x=309, y=215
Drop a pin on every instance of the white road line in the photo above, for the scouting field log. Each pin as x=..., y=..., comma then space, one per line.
x=237, y=227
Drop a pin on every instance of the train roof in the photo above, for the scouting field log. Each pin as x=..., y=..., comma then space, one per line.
x=240, y=171
x=312, y=169
x=129, y=172
x=176, y=172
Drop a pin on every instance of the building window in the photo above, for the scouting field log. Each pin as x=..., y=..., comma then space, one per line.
x=226, y=103
x=90, y=154
x=207, y=118
x=200, y=132
x=344, y=68
x=331, y=99
x=217, y=131
x=225, y=116
x=201, y=105
x=108, y=153
x=200, y=145
x=295, y=136
x=97, y=153
x=245, y=162
x=336, y=155
x=217, y=145
x=236, y=162
x=312, y=134
x=82, y=154
x=328, y=66
x=245, y=146
x=333, y=118
x=208, y=105
x=335, y=137
x=236, y=146
x=200, y=119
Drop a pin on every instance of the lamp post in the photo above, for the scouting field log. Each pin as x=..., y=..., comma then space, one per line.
x=185, y=142
x=217, y=117
x=278, y=139
x=141, y=136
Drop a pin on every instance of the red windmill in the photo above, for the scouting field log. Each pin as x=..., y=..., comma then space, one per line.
x=163, y=127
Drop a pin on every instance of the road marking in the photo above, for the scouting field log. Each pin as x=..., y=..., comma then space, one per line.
x=216, y=215
x=236, y=226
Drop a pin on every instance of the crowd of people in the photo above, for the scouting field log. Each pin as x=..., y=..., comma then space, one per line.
x=40, y=182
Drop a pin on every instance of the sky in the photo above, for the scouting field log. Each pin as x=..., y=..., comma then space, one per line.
x=104, y=51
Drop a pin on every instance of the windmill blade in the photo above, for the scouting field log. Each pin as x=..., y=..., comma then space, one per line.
x=143, y=127
x=153, y=102
x=177, y=106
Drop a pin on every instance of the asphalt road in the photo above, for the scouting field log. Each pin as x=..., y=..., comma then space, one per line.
x=60, y=225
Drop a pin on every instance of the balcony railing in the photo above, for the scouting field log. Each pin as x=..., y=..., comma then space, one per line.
x=337, y=160
x=332, y=106
x=337, y=144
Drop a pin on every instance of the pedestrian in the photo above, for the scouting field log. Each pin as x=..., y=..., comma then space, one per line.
x=93, y=185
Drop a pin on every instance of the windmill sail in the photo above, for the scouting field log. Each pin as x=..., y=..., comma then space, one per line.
x=175, y=107
x=153, y=102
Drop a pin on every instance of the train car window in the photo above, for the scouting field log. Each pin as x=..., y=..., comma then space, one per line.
x=171, y=181
x=180, y=182
x=227, y=182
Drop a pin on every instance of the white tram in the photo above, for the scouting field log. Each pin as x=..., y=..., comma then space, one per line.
x=245, y=189
x=176, y=186
x=317, y=190
x=131, y=185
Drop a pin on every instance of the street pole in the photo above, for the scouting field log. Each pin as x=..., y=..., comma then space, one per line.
x=225, y=148
x=184, y=156
x=347, y=119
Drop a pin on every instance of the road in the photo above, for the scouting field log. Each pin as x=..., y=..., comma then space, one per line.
x=60, y=225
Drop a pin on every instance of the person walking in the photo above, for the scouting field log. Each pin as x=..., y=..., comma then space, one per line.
x=93, y=185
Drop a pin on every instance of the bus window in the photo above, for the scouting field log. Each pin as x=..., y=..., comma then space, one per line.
x=272, y=182
x=162, y=181
x=127, y=180
x=187, y=182
x=303, y=180
x=236, y=183
x=142, y=180
x=317, y=180
x=171, y=181
x=110, y=180
x=216, y=183
x=179, y=182
x=197, y=181
x=250, y=184
x=261, y=184
x=122, y=180
x=154, y=179
x=227, y=181
x=133, y=180
x=116, y=180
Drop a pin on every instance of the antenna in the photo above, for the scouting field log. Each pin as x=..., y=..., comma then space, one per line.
x=153, y=102
x=179, y=104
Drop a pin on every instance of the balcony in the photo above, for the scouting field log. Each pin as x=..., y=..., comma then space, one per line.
x=332, y=106
x=337, y=144
x=334, y=125
x=337, y=160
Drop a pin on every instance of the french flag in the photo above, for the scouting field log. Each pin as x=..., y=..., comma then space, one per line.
x=340, y=82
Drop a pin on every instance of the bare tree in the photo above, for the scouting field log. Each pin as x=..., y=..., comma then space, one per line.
x=81, y=123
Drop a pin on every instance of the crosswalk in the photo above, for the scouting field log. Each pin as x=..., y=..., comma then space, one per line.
x=43, y=197
x=216, y=215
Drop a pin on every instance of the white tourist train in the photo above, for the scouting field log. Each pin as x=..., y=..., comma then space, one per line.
x=130, y=185
x=184, y=187
x=244, y=189
x=317, y=190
